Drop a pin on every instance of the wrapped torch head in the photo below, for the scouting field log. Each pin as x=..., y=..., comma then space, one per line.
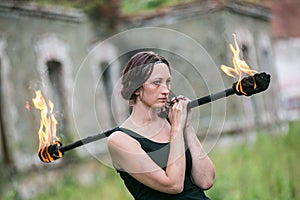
x=50, y=153
x=252, y=84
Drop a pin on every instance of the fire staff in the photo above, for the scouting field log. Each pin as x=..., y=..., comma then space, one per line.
x=50, y=147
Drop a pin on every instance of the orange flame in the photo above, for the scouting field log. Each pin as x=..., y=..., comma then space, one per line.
x=240, y=66
x=47, y=130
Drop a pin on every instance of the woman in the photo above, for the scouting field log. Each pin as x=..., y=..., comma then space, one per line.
x=158, y=158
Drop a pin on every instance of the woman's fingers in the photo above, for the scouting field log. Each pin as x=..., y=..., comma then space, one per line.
x=178, y=112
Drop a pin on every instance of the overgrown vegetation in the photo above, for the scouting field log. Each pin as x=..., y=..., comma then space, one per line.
x=126, y=6
x=266, y=170
x=136, y=6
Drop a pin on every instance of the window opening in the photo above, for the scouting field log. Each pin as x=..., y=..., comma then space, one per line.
x=245, y=52
x=4, y=145
x=107, y=86
x=57, y=87
x=106, y=80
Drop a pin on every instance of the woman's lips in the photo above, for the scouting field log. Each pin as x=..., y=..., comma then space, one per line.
x=162, y=100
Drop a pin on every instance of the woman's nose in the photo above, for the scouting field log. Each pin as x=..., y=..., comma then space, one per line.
x=165, y=88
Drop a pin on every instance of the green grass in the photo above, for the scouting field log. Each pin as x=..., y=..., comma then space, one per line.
x=107, y=186
x=267, y=170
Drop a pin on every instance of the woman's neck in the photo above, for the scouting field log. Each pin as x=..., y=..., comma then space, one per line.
x=142, y=116
x=146, y=122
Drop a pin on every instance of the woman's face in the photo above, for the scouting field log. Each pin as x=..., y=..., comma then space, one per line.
x=156, y=89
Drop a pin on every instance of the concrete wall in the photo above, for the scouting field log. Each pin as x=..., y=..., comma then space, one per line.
x=288, y=67
x=29, y=38
x=286, y=34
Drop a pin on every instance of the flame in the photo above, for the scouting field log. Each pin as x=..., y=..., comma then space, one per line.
x=240, y=66
x=47, y=130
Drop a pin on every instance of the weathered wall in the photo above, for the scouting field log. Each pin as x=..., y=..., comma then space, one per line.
x=286, y=34
x=28, y=43
x=288, y=69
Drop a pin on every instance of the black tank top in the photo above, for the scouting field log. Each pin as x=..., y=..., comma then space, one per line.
x=159, y=153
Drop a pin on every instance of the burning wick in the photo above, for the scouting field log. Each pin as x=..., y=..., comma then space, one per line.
x=240, y=67
x=48, y=141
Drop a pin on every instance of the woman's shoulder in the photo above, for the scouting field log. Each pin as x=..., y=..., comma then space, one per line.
x=120, y=138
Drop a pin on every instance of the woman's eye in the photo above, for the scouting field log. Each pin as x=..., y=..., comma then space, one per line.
x=156, y=82
x=160, y=82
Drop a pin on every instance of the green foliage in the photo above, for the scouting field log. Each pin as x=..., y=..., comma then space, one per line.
x=126, y=6
x=137, y=6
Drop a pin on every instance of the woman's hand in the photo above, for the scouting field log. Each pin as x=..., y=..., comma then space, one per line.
x=178, y=113
x=188, y=122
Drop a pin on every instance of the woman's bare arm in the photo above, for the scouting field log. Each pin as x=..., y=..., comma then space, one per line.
x=203, y=171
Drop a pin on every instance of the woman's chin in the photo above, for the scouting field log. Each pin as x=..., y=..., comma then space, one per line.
x=159, y=105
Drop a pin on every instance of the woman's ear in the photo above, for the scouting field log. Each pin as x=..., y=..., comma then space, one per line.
x=137, y=92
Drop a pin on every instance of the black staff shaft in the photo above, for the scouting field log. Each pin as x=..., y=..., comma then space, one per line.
x=192, y=104
x=210, y=98
x=86, y=140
